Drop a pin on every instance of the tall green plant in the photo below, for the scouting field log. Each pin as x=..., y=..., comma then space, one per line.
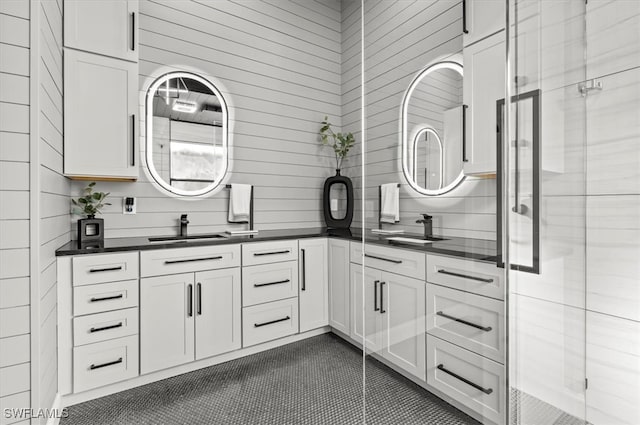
x=90, y=203
x=340, y=142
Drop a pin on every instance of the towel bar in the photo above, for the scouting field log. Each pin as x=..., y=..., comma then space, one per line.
x=250, y=207
x=380, y=206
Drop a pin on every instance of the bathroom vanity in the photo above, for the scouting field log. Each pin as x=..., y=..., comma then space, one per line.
x=133, y=311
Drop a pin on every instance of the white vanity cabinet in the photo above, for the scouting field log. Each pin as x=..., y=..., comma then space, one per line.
x=466, y=336
x=193, y=315
x=313, y=283
x=482, y=18
x=270, y=275
x=106, y=27
x=98, y=320
x=339, y=287
x=100, y=137
x=484, y=85
x=394, y=307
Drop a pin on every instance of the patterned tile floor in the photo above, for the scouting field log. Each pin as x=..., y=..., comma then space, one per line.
x=315, y=381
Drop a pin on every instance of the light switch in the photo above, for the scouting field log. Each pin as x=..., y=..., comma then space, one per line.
x=128, y=205
x=334, y=205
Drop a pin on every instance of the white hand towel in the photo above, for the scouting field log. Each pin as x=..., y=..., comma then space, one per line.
x=239, y=203
x=390, y=203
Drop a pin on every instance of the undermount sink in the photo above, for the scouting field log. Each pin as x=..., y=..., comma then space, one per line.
x=186, y=238
x=421, y=241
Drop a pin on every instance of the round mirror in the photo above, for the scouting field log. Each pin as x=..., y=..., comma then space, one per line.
x=432, y=129
x=186, y=134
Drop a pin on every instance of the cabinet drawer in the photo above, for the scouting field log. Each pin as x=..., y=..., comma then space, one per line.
x=105, y=297
x=183, y=260
x=105, y=326
x=471, y=276
x=264, y=322
x=104, y=363
x=269, y=252
x=269, y=282
x=470, y=379
x=470, y=321
x=394, y=260
x=87, y=269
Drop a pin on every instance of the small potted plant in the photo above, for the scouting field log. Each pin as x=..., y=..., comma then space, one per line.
x=90, y=204
x=340, y=143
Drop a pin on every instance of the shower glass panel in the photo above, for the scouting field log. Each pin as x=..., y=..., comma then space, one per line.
x=574, y=336
x=427, y=296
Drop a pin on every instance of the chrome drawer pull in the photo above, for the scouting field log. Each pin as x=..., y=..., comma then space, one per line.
x=98, y=366
x=113, y=297
x=192, y=259
x=257, y=285
x=257, y=325
x=105, y=328
x=466, y=381
x=108, y=269
x=257, y=254
x=464, y=322
x=383, y=259
x=466, y=276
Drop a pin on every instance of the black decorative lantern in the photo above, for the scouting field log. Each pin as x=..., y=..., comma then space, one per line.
x=90, y=229
x=332, y=221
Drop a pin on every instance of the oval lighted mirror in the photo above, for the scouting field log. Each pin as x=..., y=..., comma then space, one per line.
x=186, y=134
x=432, y=129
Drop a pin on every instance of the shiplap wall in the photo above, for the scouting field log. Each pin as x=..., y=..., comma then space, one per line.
x=351, y=85
x=15, y=336
x=54, y=192
x=401, y=39
x=280, y=65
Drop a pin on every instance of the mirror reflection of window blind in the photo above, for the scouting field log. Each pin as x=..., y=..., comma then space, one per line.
x=194, y=157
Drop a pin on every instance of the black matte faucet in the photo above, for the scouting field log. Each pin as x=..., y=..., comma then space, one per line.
x=428, y=225
x=183, y=225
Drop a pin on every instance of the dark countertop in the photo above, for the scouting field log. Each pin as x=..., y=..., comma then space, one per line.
x=476, y=249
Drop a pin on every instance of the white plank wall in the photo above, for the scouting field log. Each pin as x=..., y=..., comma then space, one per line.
x=54, y=194
x=15, y=345
x=280, y=67
x=401, y=39
x=351, y=87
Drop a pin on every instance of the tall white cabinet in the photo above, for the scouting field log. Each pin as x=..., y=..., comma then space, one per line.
x=313, y=283
x=106, y=27
x=484, y=85
x=100, y=109
x=101, y=89
x=339, y=295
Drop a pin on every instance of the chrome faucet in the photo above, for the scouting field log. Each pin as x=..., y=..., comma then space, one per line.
x=428, y=225
x=183, y=225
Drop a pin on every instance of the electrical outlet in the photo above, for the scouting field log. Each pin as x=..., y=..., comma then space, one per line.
x=129, y=205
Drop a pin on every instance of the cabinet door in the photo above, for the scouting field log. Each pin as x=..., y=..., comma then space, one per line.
x=339, y=285
x=483, y=18
x=484, y=85
x=107, y=27
x=313, y=284
x=100, y=97
x=403, y=305
x=369, y=331
x=166, y=321
x=218, y=312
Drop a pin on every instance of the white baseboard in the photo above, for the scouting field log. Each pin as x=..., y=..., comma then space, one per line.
x=71, y=399
x=56, y=407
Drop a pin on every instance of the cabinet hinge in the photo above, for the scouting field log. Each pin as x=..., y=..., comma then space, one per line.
x=586, y=383
x=586, y=86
